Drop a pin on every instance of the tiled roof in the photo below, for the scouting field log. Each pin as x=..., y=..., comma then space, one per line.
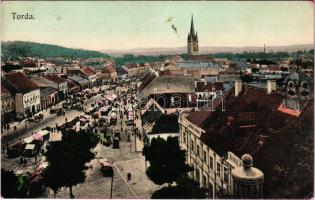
x=47, y=91
x=55, y=78
x=146, y=81
x=71, y=84
x=277, y=141
x=199, y=64
x=200, y=57
x=88, y=71
x=109, y=69
x=20, y=82
x=202, y=87
x=42, y=81
x=78, y=79
x=167, y=84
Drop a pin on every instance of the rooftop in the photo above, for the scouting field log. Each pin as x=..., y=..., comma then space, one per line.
x=47, y=91
x=278, y=142
x=109, y=69
x=55, y=78
x=199, y=64
x=20, y=82
x=88, y=71
x=167, y=84
x=209, y=87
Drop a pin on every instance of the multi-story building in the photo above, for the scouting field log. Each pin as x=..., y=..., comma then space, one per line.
x=109, y=72
x=254, y=121
x=27, y=94
x=7, y=105
x=62, y=85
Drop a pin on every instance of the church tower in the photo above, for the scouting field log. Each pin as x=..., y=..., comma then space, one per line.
x=192, y=40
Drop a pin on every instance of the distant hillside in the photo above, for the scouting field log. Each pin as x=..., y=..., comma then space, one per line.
x=207, y=50
x=31, y=49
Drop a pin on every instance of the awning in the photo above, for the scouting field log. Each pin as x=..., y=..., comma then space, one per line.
x=82, y=120
x=53, y=137
x=43, y=132
x=30, y=146
x=37, y=136
x=28, y=139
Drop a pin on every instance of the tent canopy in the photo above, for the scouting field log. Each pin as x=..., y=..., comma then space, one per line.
x=30, y=146
x=43, y=132
x=28, y=139
x=53, y=137
x=38, y=136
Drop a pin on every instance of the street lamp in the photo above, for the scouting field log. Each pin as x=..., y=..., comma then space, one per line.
x=111, y=186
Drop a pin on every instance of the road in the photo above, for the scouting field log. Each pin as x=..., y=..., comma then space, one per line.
x=11, y=137
x=126, y=159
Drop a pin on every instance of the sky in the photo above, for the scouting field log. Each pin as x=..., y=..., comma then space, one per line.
x=101, y=25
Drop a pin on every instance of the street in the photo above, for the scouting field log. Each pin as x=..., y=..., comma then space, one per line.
x=126, y=159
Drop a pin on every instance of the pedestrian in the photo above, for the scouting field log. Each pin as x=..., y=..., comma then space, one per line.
x=24, y=161
x=129, y=176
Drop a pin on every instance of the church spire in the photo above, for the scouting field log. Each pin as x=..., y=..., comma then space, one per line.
x=192, y=29
x=192, y=39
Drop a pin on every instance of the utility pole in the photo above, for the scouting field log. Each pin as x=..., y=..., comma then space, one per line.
x=135, y=141
x=111, y=186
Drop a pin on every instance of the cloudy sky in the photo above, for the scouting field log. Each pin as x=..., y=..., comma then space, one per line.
x=103, y=25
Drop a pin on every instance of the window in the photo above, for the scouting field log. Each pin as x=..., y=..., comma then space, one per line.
x=218, y=169
x=211, y=162
x=210, y=190
x=184, y=137
x=204, y=181
x=198, y=150
x=226, y=175
x=192, y=146
x=204, y=156
x=197, y=175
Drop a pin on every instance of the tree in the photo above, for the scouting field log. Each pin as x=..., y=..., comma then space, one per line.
x=167, y=160
x=13, y=186
x=67, y=159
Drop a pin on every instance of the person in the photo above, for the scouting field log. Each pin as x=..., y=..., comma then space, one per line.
x=129, y=176
x=21, y=160
x=35, y=159
x=24, y=161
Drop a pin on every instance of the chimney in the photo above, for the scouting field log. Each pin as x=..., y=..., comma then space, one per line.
x=271, y=86
x=238, y=87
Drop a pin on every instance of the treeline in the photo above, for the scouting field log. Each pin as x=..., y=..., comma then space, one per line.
x=15, y=49
x=130, y=59
x=261, y=55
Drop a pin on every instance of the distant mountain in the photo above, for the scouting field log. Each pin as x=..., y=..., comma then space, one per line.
x=207, y=50
x=32, y=49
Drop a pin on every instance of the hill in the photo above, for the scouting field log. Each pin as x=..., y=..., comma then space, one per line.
x=13, y=49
